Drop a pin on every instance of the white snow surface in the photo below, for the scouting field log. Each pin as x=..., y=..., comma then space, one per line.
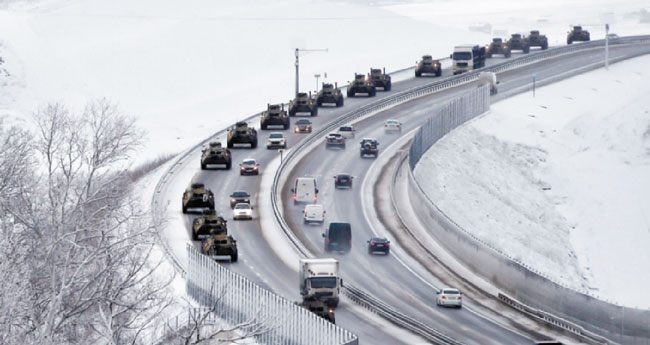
x=559, y=181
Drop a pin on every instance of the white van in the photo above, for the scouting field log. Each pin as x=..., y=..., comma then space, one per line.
x=314, y=213
x=305, y=190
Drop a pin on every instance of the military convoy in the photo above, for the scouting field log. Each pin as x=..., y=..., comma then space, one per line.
x=577, y=34
x=428, y=65
x=214, y=154
x=537, y=40
x=519, y=42
x=379, y=78
x=329, y=94
x=197, y=196
x=497, y=46
x=242, y=134
x=219, y=243
x=275, y=115
x=208, y=222
x=303, y=103
x=361, y=84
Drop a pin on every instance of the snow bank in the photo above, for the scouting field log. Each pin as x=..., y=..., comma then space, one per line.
x=559, y=181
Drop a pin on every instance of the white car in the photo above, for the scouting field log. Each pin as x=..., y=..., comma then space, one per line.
x=392, y=126
x=449, y=297
x=276, y=140
x=242, y=211
x=347, y=132
x=314, y=213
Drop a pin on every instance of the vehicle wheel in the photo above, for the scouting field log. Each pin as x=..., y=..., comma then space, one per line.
x=292, y=113
x=568, y=41
x=263, y=126
x=387, y=87
x=184, y=209
x=418, y=74
x=437, y=302
x=544, y=46
x=439, y=73
x=203, y=166
x=350, y=94
x=361, y=154
x=286, y=125
x=230, y=145
x=339, y=102
x=507, y=55
x=373, y=92
x=254, y=144
x=319, y=102
x=228, y=165
x=527, y=50
x=234, y=257
x=489, y=55
x=195, y=236
x=314, y=112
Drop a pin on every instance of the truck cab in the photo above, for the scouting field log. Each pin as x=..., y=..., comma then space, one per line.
x=319, y=280
x=467, y=58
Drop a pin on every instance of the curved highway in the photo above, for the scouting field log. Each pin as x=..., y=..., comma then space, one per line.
x=383, y=276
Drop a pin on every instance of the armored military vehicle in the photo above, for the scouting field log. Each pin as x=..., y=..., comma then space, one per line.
x=303, y=103
x=379, y=78
x=203, y=226
x=519, y=42
x=319, y=308
x=369, y=147
x=361, y=84
x=428, y=65
x=242, y=134
x=577, y=34
x=219, y=243
x=497, y=46
x=197, y=196
x=329, y=94
x=537, y=40
x=275, y=115
x=215, y=154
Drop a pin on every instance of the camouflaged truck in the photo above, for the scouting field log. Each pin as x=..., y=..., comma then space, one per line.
x=215, y=154
x=219, y=243
x=379, y=78
x=203, y=226
x=361, y=84
x=537, y=40
x=319, y=308
x=577, y=34
x=242, y=134
x=197, y=196
x=275, y=115
x=428, y=65
x=497, y=46
x=330, y=94
x=303, y=103
x=519, y=42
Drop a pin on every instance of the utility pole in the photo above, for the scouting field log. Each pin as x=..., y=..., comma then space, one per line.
x=317, y=76
x=606, y=46
x=298, y=50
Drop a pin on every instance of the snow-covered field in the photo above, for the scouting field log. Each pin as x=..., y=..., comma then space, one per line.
x=559, y=181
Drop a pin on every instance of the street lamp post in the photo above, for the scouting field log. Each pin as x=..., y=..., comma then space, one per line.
x=298, y=50
x=316, y=76
x=606, y=46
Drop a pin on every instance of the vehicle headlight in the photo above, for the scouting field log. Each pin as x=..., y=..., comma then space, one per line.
x=233, y=200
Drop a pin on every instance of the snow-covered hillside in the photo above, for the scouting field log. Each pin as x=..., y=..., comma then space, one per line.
x=559, y=181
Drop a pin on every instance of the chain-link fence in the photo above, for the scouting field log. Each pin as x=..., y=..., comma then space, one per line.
x=447, y=117
x=270, y=319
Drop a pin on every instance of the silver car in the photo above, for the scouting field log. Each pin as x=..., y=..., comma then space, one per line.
x=449, y=297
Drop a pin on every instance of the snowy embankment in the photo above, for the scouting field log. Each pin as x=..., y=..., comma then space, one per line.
x=559, y=181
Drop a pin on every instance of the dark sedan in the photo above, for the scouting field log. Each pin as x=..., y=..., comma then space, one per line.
x=378, y=244
x=343, y=180
x=303, y=126
x=239, y=198
x=249, y=167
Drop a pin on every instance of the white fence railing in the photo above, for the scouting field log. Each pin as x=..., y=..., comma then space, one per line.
x=240, y=301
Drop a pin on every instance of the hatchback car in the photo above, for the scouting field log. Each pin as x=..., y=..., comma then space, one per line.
x=249, y=166
x=334, y=139
x=378, y=244
x=449, y=297
x=392, y=126
x=276, y=140
x=343, y=180
x=239, y=197
x=303, y=126
x=314, y=214
x=242, y=211
x=347, y=131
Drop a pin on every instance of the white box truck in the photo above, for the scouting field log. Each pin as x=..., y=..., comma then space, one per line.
x=468, y=57
x=319, y=280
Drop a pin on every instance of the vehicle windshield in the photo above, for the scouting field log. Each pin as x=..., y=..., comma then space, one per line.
x=335, y=135
x=303, y=122
x=451, y=292
x=240, y=195
x=323, y=282
x=391, y=122
x=242, y=206
x=313, y=208
x=248, y=162
x=462, y=55
x=343, y=176
x=345, y=129
x=276, y=136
